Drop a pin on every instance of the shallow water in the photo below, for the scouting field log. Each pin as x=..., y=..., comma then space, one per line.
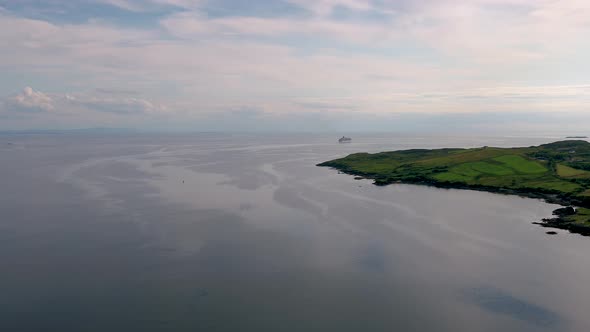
x=217, y=232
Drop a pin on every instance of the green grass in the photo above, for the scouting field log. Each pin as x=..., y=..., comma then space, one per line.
x=582, y=217
x=489, y=168
x=471, y=172
x=521, y=164
x=465, y=170
x=562, y=186
x=453, y=177
x=569, y=172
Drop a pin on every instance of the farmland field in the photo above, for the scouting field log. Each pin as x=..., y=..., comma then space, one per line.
x=569, y=172
x=521, y=165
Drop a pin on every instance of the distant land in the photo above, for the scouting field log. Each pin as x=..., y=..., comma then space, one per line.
x=67, y=131
x=577, y=137
x=557, y=172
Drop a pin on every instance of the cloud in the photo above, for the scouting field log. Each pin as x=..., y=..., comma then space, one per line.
x=326, y=7
x=30, y=100
x=207, y=57
x=126, y=4
x=149, y=5
x=117, y=105
x=114, y=91
x=464, y=26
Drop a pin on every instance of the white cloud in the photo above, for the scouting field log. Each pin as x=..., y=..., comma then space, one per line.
x=195, y=25
x=482, y=32
x=147, y=5
x=117, y=105
x=126, y=4
x=30, y=100
x=326, y=7
x=432, y=57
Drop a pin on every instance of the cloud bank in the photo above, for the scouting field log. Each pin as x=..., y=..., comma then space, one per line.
x=193, y=63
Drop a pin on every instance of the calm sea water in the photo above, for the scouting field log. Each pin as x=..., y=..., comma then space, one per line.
x=215, y=232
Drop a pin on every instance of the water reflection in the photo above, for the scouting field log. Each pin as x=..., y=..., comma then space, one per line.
x=216, y=233
x=499, y=302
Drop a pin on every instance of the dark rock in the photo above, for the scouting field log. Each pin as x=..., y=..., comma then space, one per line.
x=381, y=182
x=551, y=233
x=566, y=211
x=559, y=220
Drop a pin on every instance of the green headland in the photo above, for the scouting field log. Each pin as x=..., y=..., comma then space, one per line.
x=557, y=172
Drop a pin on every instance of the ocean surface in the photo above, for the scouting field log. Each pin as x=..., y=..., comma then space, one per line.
x=213, y=232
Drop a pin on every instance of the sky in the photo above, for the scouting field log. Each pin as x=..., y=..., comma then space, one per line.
x=296, y=65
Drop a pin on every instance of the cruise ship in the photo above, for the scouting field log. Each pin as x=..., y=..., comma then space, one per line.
x=344, y=139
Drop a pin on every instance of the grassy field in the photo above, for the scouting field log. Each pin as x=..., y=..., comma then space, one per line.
x=577, y=223
x=521, y=165
x=569, y=172
x=582, y=217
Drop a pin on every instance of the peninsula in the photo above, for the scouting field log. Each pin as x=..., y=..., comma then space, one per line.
x=557, y=172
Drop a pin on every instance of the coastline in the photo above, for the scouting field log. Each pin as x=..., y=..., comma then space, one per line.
x=557, y=173
x=559, y=221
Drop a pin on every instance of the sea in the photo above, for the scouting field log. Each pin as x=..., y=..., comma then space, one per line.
x=243, y=232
